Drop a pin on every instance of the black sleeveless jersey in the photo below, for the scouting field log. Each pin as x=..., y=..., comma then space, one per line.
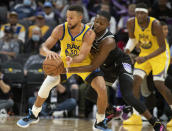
x=111, y=65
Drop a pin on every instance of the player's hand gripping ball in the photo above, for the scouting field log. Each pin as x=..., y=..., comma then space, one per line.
x=53, y=67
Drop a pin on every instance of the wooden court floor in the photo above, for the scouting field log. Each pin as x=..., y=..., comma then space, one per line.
x=47, y=124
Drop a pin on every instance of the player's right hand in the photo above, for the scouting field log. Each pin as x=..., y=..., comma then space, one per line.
x=52, y=55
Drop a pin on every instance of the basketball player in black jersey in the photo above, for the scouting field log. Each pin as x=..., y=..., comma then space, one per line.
x=114, y=64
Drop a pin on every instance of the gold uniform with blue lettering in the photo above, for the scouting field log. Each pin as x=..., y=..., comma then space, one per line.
x=148, y=44
x=70, y=46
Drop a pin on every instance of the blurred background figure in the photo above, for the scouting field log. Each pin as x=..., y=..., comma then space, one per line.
x=9, y=45
x=33, y=44
x=60, y=4
x=162, y=10
x=112, y=26
x=39, y=22
x=123, y=20
x=5, y=101
x=78, y=2
x=18, y=29
x=25, y=9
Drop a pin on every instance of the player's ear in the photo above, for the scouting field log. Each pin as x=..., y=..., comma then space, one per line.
x=81, y=16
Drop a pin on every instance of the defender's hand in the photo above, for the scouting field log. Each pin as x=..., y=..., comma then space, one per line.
x=140, y=60
x=68, y=60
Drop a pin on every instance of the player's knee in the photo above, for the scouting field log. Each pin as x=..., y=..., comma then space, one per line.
x=101, y=90
x=137, y=81
x=47, y=85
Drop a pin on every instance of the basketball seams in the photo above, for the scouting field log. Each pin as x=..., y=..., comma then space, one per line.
x=53, y=67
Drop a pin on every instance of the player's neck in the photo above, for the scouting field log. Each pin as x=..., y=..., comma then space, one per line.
x=145, y=24
x=99, y=34
x=77, y=29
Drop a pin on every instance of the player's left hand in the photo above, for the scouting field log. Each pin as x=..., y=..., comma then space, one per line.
x=68, y=61
x=140, y=60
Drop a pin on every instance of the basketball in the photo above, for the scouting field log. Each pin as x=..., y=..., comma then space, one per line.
x=53, y=67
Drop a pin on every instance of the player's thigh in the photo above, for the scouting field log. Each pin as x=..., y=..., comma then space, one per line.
x=159, y=68
x=142, y=70
x=82, y=75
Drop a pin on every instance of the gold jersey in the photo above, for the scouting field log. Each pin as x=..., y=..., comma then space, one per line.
x=70, y=46
x=146, y=40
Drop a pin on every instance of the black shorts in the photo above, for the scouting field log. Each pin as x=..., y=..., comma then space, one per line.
x=94, y=74
x=124, y=66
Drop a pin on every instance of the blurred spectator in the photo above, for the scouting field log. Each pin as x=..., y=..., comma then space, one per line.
x=162, y=10
x=64, y=100
x=8, y=44
x=3, y=14
x=5, y=101
x=33, y=44
x=93, y=5
x=112, y=27
x=33, y=59
x=165, y=32
x=18, y=29
x=123, y=20
x=60, y=100
x=33, y=4
x=78, y=2
x=122, y=32
x=60, y=4
x=25, y=9
x=48, y=11
x=51, y=15
x=40, y=22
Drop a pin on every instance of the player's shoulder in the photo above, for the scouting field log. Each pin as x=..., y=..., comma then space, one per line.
x=58, y=31
x=59, y=27
x=109, y=39
x=89, y=33
x=156, y=25
x=90, y=24
x=156, y=22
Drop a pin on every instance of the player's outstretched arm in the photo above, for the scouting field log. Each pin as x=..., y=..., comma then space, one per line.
x=85, y=48
x=50, y=42
x=107, y=46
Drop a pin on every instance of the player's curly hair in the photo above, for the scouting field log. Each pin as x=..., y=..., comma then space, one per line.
x=142, y=5
x=105, y=14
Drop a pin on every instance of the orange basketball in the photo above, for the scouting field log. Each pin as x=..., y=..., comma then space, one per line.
x=53, y=67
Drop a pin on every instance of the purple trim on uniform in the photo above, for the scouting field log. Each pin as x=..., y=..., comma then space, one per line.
x=161, y=73
x=96, y=70
x=73, y=38
x=86, y=32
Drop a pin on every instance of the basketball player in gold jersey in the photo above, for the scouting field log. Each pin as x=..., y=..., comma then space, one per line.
x=76, y=41
x=146, y=32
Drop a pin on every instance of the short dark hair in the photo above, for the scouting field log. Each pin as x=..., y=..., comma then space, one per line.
x=163, y=23
x=77, y=8
x=105, y=14
x=142, y=5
